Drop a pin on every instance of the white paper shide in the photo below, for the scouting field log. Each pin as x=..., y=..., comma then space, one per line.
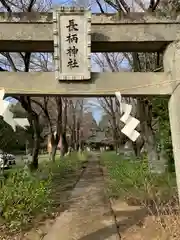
x=130, y=122
x=8, y=115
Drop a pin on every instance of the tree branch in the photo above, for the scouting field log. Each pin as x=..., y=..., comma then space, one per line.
x=10, y=60
x=4, y=3
x=122, y=3
x=31, y=4
x=100, y=6
x=45, y=110
x=153, y=5
x=112, y=4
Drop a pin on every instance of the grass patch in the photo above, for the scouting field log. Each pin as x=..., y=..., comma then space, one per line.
x=132, y=181
x=24, y=195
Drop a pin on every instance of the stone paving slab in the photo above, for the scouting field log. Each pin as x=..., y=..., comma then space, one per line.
x=89, y=216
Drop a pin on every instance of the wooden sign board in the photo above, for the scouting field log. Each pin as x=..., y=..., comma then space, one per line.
x=72, y=43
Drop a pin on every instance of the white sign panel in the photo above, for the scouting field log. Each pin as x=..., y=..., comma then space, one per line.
x=72, y=43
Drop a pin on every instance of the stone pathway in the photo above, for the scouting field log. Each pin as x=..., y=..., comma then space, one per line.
x=89, y=216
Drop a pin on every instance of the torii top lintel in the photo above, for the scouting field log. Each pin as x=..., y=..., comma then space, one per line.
x=109, y=32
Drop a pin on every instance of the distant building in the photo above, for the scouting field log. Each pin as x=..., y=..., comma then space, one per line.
x=99, y=140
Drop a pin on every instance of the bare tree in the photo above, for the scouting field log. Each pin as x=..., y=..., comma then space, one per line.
x=22, y=62
x=76, y=110
x=140, y=62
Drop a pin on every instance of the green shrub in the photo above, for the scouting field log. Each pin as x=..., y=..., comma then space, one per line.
x=22, y=196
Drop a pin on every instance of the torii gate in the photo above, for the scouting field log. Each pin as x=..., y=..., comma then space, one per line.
x=39, y=32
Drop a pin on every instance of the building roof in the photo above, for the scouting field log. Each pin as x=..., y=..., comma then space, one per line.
x=99, y=137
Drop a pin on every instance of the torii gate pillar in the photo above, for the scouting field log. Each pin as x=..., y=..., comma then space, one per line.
x=172, y=68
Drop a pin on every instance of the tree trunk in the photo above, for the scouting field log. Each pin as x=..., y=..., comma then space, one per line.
x=53, y=153
x=34, y=121
x=77, y=135
x=28, y=151
x=64, y=145
x=36, y=143
x=115, y=132
x=150, y=145
x=137, y=150
x=54, y=144
x=145, y=117
x=137, y=146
